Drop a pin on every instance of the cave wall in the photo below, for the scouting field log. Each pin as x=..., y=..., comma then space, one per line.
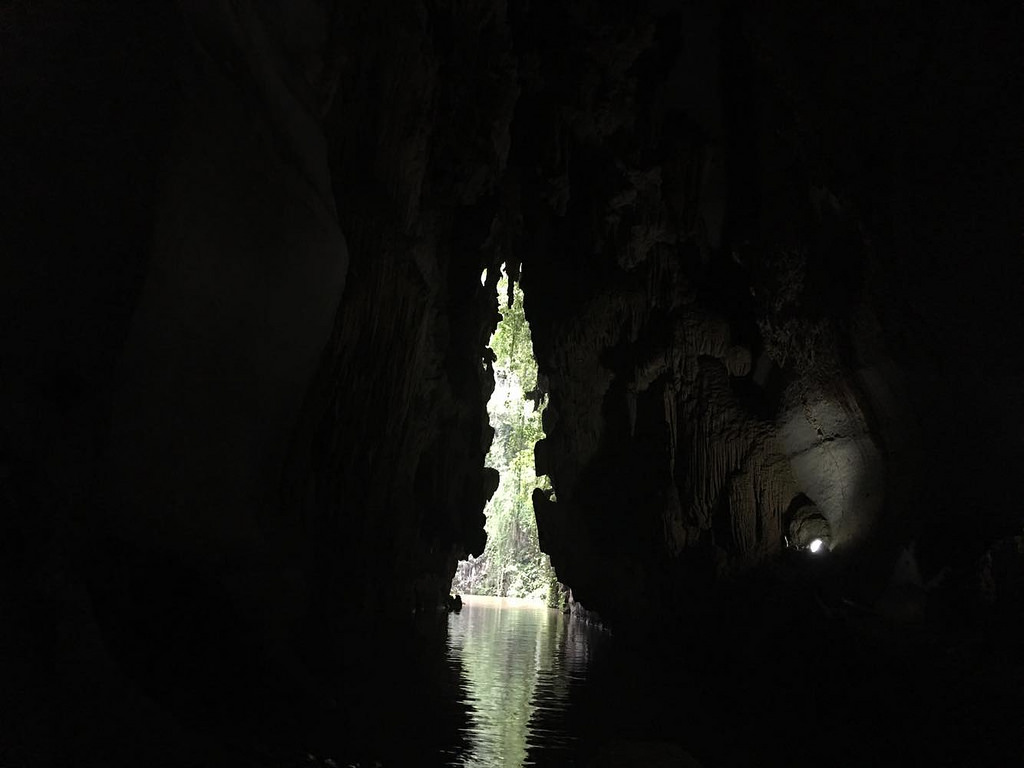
x=389, y=463
x=244, y=370
x=770, y=259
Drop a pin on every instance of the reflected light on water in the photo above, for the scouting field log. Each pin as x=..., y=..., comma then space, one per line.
x=520, y=663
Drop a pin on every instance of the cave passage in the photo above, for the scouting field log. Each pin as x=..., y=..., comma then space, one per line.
x=512, y=564
x=770, y=253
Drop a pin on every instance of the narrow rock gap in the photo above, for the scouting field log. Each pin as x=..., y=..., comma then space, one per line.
x=512, y=564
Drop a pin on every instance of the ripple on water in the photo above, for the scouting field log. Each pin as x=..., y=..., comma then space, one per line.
x=520, y=664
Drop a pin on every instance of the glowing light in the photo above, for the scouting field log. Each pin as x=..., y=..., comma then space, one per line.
x=815, y=545
x=483, y=277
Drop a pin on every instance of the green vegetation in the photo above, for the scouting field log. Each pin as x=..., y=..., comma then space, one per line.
x=512, y=564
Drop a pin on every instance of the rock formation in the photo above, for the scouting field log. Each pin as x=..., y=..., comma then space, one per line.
x=771, y=259
x=736, y=304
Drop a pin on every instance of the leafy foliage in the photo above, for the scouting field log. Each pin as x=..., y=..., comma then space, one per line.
x=512, y=564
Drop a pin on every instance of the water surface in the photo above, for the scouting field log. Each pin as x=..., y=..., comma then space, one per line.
x=518, y=664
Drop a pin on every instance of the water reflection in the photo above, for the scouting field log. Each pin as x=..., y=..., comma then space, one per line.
x=519, y=664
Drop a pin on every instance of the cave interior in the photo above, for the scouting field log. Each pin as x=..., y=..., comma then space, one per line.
x=771, y=255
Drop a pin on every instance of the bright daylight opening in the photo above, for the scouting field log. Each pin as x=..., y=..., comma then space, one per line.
x=512, y=564
x=815, y=545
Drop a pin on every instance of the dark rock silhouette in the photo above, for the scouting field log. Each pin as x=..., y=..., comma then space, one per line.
x=767, y=249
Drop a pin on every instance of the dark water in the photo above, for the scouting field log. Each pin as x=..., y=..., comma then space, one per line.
x=505, y=684
x=518, y=667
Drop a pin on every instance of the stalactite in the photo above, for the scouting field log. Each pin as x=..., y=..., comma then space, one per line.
x=631, y=407
x=672, y=426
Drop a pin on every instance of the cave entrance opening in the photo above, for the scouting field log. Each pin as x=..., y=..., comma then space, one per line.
x=512, y=564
